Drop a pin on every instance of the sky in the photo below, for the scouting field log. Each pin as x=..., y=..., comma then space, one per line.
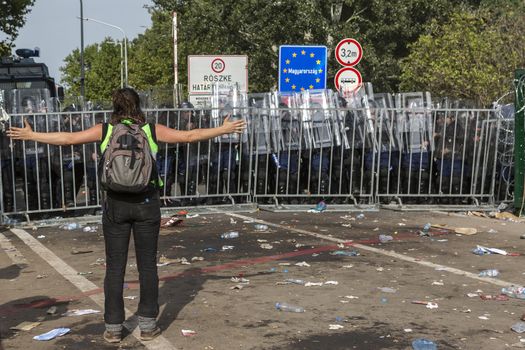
x=53, y=26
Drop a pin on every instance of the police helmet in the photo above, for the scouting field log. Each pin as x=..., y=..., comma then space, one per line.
x=70, y=108
x=28, y=104
x=186, y=105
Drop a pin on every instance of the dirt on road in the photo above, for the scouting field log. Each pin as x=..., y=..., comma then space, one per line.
x=226, y=290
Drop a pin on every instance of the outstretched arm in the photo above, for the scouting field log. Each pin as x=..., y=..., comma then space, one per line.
x=92, y=134
x=165, y=134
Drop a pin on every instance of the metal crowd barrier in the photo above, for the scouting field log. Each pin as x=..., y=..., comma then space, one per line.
x=437, y=157
x=40, y=178
x=286, y=157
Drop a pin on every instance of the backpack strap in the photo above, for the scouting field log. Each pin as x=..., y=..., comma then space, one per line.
x=107, y=129
x=153, y=131
x=149, y=129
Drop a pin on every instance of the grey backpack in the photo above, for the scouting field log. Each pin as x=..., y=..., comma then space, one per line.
x=128, y=164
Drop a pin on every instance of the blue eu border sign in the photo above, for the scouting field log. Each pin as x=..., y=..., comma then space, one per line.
x=302, y=68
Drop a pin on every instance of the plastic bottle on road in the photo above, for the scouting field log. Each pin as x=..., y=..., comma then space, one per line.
x=426, y=230
x=489, y=273
x=11, y=221
x=321, y=206
x=514, y=292
x=295, y=281
x=423, y=344
x=518, y=327
x=230, y=235
x=261, y=227
x=71, y=226
x=288, y=307
x=385, y=238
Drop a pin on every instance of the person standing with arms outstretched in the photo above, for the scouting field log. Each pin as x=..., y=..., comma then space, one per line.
x=124, y=213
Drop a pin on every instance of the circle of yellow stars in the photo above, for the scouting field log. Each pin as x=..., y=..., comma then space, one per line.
x=303, y=53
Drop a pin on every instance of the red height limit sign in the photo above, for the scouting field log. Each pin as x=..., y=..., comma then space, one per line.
x=348, y=53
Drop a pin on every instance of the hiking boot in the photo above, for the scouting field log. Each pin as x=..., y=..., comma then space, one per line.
x=150, y=335
x=112, y=337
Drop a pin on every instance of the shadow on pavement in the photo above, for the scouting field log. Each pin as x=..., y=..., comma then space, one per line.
x=34, y=310
x=89, y=336
x=378, y=337
x=11, y=272
x=178, y=292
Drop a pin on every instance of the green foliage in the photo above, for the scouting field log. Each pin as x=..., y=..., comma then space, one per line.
x=12, y=18
x=151, y=55
x=400, y=39
x=257, y=28
x=247, y=27
x=102, y=68
x=472, y=57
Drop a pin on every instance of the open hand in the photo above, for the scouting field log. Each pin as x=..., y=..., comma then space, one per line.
x=233, y=126
x=24, y=133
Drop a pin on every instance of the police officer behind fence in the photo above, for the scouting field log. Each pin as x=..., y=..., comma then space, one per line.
x=36, y=159
x=449, y=158
x=66, y=164
x=287, y=180
x=188, y=155
x=7, y=169
x=126, y=212
x=166, y=157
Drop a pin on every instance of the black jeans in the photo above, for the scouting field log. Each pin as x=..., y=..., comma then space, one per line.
x=119, y=219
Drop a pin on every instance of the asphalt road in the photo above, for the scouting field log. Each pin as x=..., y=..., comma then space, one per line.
x=368, y=298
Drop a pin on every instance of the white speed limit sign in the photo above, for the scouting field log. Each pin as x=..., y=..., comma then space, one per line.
x=348, y=52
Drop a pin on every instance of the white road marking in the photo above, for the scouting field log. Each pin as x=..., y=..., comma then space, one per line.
x=85, y=285
x=16, y=257
x=492, y=280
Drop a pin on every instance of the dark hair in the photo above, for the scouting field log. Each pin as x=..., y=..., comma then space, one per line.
x=126, y=105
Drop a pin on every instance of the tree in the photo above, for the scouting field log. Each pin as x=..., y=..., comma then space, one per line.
x=257, y=28
x=472, y=57
x=151, y=60
x=102, y=62
x=12, y=18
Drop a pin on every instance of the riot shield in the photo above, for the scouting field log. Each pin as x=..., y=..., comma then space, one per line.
x=232, y=103
x=416, y=127
x=4, y=116
x=382, y=131
x=388, y=135
x=360, y=124
x=339, y=115
x=258, y=122
x=384, y=100
x=285, y=122
x=29, y=101
x=316, y=119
